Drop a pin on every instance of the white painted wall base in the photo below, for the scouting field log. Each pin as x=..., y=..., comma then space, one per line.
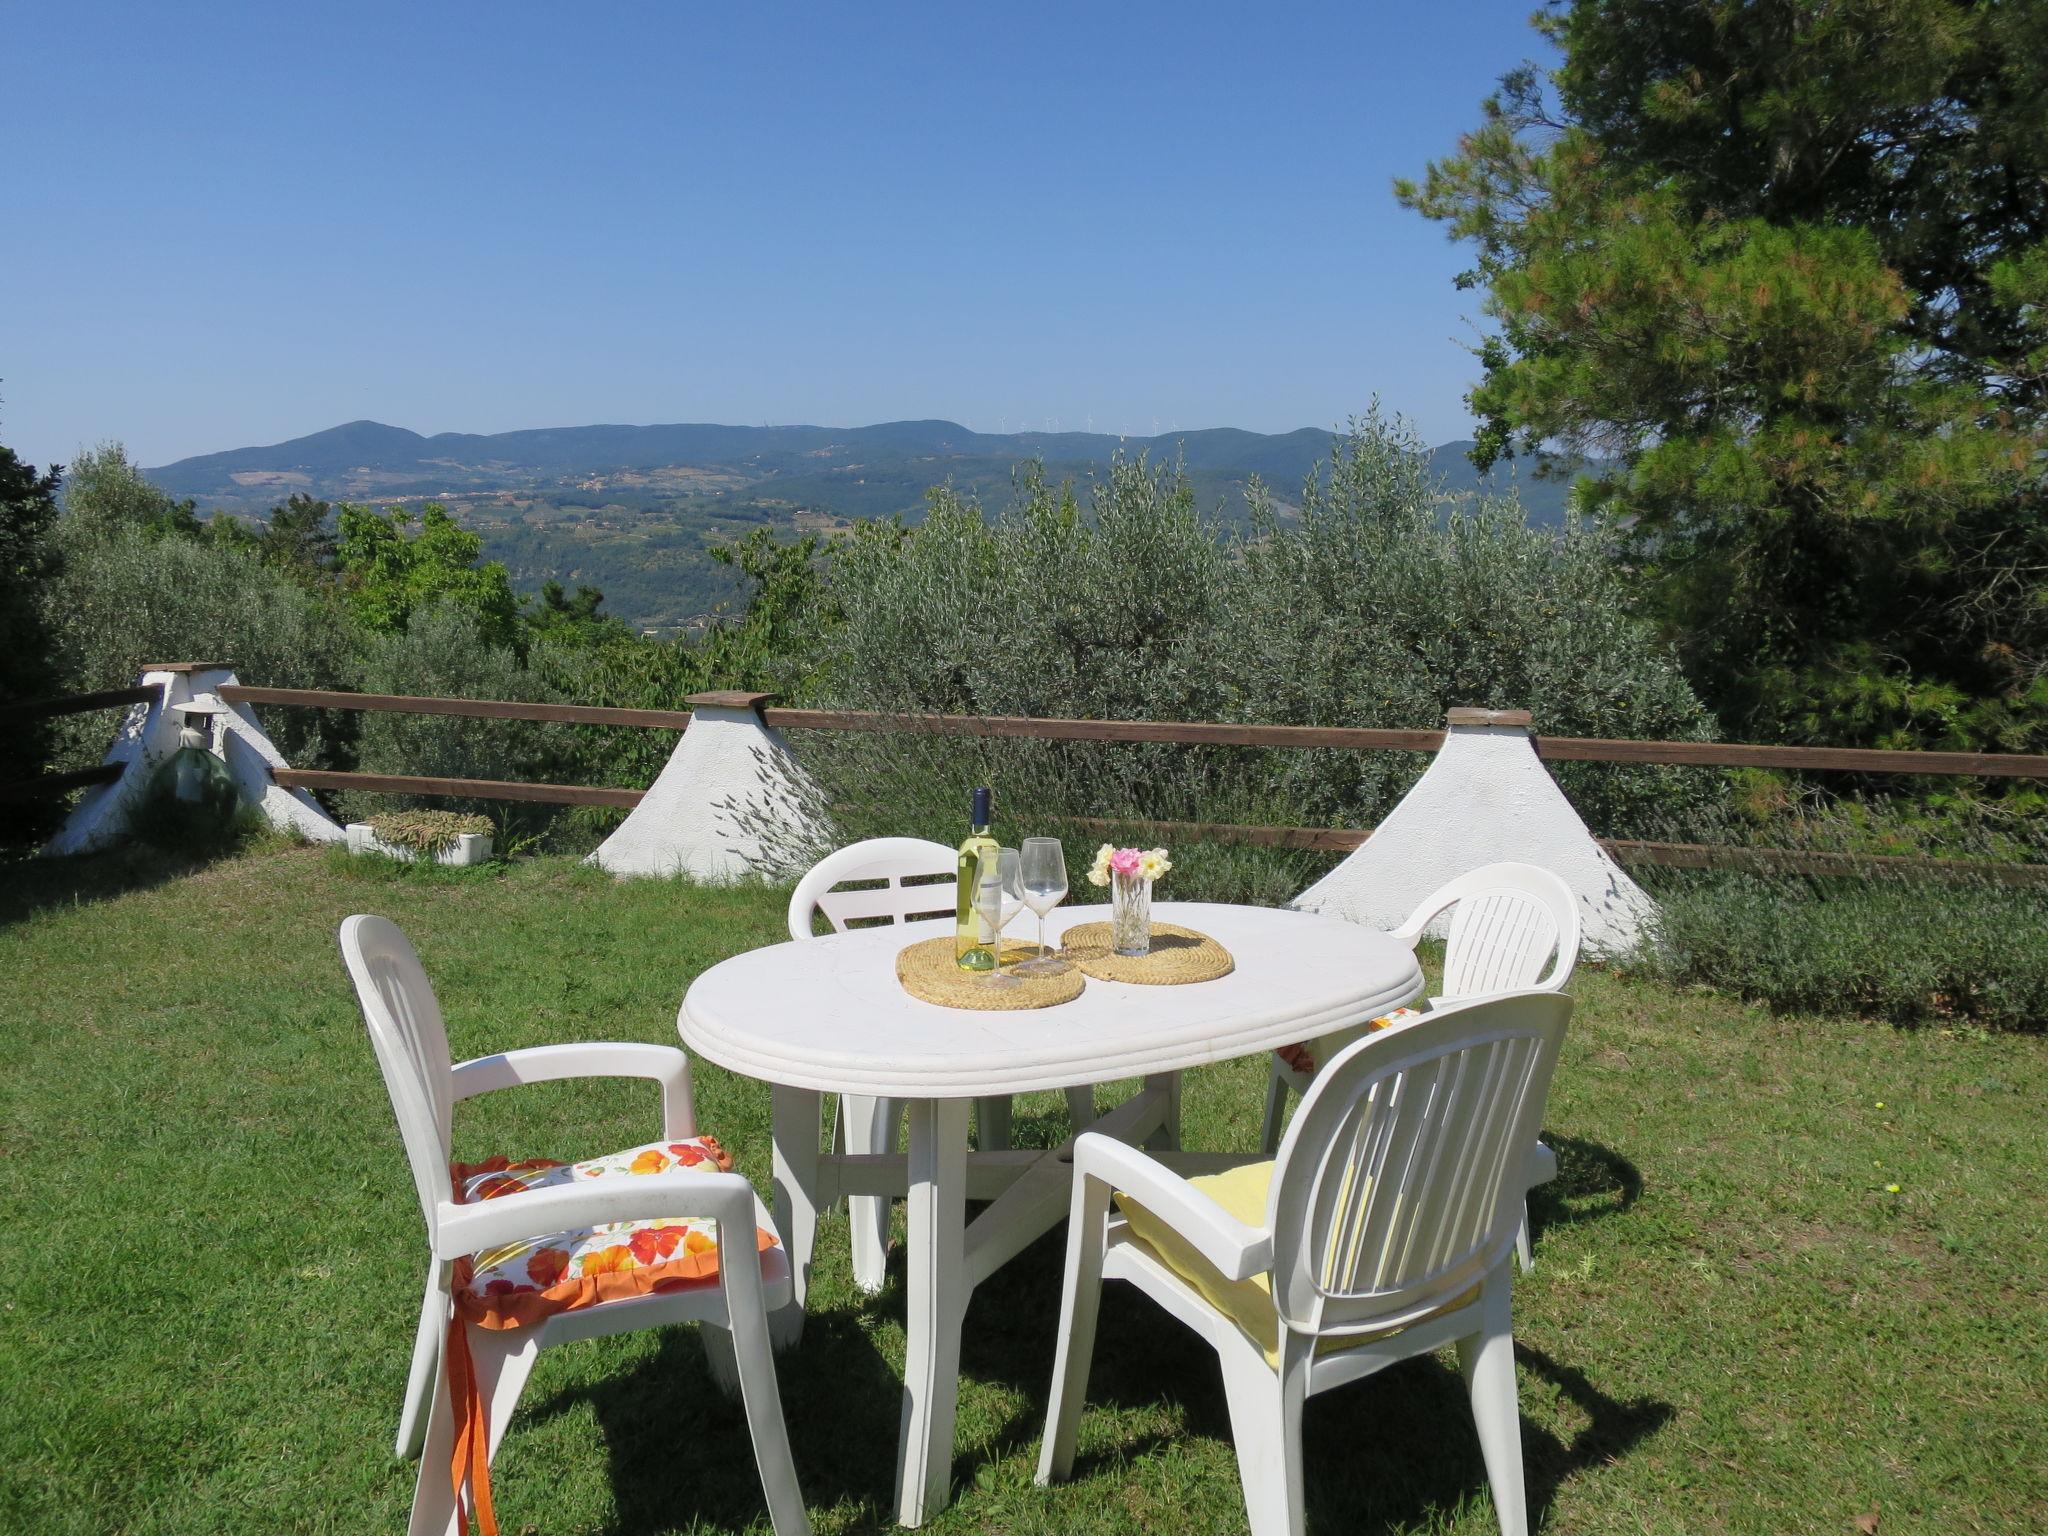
x=728, y=776
x=149, y=735
x=467, y=849
x=1486, y=797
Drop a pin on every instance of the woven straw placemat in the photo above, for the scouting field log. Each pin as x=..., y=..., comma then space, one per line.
x=928, y=973
x=1179, y=955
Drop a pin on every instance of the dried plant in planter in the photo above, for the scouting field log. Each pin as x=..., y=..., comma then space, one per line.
x=426, y=833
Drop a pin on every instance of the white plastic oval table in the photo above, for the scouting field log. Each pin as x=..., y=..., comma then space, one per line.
x=829, y=1016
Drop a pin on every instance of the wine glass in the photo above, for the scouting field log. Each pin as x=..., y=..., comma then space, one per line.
x=998, y=898
x=1043, y=865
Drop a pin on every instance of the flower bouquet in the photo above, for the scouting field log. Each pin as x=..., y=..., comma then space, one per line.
x=1129, y=873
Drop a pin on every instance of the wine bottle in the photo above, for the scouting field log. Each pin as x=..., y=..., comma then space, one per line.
x=973, y=941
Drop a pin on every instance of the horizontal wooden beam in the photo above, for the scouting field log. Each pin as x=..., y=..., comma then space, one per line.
x=1696, y=754
x=58, y=783
x=483, y=709
x=77, y=703
x=1325, y=839
x=1802, y=861
x=1737, y=754
x=729, y=698
x=462, y=789
x=1670, y=855
x=1185, y=732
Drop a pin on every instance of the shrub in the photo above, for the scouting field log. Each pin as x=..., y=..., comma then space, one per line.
x=443, y=651
x=1889, y=949
x=27, y=508
x=1376, y=602
x=121, y=597
x=426, y=832
x=1365, y=606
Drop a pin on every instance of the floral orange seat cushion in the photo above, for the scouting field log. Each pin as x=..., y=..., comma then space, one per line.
x=525, y=1282
x=1311, y=1054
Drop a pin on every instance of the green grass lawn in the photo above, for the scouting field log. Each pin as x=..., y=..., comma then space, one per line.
x=212, y=1253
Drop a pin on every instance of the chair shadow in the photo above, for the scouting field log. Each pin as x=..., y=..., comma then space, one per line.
x=1593, y=1182
x=679, y=1451
x=1396, y=1450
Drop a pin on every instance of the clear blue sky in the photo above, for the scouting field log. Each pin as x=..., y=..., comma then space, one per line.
x=230, y=225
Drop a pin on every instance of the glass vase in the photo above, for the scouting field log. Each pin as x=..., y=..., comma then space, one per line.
x=1130, y=914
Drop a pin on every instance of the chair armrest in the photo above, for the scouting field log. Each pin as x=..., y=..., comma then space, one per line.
x=725, y=1198
x=1410, y=932
x=1237, y=1250
x=663, y=1064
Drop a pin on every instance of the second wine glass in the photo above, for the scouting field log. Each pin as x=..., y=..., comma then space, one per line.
x=1043, y=869
x=999, y=897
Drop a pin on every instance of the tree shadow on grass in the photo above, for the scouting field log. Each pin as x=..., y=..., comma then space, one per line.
x=34, y=885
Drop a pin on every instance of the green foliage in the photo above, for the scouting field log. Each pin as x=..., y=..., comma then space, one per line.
x=1370, y=605
x=1785, y=263
x=1903, y=950
x=556, y=617
x=106, y=492
x=121, y=597
x=446, y=649
x=297, y=540
x=28, y=507
x=387, y=573
x=426, y=832
x=1373, y=607
x=766, y=649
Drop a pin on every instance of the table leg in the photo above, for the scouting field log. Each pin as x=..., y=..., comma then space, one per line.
x=1167, y=1137
x=938, y=1303
x=793, y=1120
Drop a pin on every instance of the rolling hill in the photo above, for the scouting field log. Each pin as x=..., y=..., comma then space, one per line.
x=632, y=509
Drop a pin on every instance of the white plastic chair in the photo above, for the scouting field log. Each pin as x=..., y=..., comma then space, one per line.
x=866, y=1124
x=1388, y=1221
x=1507, y=922
x=412, y=1050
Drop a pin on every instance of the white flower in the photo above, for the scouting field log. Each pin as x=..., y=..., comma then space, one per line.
x=1153, y=863
x=1098, y=872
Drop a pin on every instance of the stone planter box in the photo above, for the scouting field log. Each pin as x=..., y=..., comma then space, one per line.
x=468, y=847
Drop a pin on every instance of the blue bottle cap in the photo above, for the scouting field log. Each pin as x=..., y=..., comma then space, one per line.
x=980, y=816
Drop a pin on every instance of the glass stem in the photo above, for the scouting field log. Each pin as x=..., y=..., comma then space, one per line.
x=1041, y=936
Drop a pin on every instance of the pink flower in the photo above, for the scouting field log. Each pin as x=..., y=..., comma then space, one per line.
x=1124, y=861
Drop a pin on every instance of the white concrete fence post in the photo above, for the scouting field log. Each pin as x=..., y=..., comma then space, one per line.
x=1485, y=798
x=728, y=793
x=151, y=733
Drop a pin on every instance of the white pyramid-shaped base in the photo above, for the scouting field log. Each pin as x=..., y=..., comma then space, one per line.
x=729, y=780
x=1486, y=798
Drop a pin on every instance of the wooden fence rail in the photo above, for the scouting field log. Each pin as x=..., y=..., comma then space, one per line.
x=58, y=783
x=68, y=704
x=1692, y=754
x=77, y=703
x=1205, y=733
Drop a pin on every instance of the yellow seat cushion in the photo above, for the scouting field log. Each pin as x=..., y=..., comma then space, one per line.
x=1241, y=1191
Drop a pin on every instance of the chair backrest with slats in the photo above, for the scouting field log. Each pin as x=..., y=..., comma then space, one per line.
x=1399, y=1184
x=1507, y=922
x=412, y=1048
x=891, y=860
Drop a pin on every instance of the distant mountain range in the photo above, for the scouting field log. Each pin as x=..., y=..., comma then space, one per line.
x=631, y=509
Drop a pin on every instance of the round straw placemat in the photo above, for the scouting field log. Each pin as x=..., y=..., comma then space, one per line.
x=928, y=973
x=1179, y=955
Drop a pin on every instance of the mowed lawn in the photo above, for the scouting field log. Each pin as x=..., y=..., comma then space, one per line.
x=212, y=1254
